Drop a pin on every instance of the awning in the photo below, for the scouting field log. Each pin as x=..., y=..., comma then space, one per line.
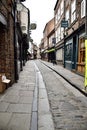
x=3, y=20
x=51, y=50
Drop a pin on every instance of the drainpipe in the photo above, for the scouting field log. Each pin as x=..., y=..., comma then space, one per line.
x=15, y=46
x=64, y=34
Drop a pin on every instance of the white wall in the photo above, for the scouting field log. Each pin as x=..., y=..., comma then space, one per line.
x=59, y=54
x=24, y=20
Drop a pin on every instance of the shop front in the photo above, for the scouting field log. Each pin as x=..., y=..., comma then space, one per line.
x=81, y=54
x=51, y=55
x=60, y=55
x=71, y=53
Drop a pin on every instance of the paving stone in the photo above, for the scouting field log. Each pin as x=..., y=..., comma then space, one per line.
x=43, y=94
x=26, y=93
x=25, y=100
x=11, y=99
x=28, y=85
x=19, y=108
x=68, y=106
x=43, y=106
x=45, y=122
x=12, y=92
x=4, y=120
x=3, y=106
x=19, y=122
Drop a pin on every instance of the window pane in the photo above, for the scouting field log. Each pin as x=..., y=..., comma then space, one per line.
x=83, y=8
x=73, y=11
x=81, y=50
x=68, y=52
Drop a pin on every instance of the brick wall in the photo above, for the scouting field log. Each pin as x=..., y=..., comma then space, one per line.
x=7, y=44
x=2, y=50
x=9, y=48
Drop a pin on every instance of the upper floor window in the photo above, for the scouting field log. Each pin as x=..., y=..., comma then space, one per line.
x=56, y=32
x=45, y=43
x=73, y=10
x=83, y=8
x=59, y=33
x=62, y=33
x=58, y=13
x=67, y=15
x=50, y=40
x=62, y=7
x=56, y=19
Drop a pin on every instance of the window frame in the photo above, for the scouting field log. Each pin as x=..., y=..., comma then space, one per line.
x=81, y=58
x=83, y=4
x=62, y=7
x=73, y=11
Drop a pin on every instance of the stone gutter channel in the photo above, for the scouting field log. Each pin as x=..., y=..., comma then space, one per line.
x=34, y=119
x=41, y=114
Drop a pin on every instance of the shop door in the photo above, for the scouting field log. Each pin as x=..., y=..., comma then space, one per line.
x=74, y=53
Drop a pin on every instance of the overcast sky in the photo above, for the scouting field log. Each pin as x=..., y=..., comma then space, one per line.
x=41, y=11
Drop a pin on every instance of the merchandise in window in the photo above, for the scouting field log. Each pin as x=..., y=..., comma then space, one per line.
x=82, y=50
x=68, y=52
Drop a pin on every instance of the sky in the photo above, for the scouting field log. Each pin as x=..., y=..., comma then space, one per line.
x=41, y=12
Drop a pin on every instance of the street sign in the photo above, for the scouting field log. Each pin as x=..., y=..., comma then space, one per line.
x=64, y=23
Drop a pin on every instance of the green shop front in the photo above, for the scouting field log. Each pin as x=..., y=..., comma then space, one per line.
x=51, y=54
x=71, y=53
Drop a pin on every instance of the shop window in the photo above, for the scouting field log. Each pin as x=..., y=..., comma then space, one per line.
x=68, y=52
x=81, y=50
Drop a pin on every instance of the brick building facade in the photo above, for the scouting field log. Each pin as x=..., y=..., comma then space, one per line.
x=70, y=40
x=7, y=39
x=13, y=41
x=70, y=47
x=48, y=34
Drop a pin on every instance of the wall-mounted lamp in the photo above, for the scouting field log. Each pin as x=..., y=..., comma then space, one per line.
x=72, y=28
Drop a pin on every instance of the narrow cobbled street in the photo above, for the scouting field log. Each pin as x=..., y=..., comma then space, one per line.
x=42, y=100
x=67, y=105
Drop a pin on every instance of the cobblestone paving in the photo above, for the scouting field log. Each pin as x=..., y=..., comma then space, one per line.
x=69, y=110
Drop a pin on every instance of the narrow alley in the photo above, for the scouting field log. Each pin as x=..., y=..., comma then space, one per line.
x=43, y=65
x=42, y=100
